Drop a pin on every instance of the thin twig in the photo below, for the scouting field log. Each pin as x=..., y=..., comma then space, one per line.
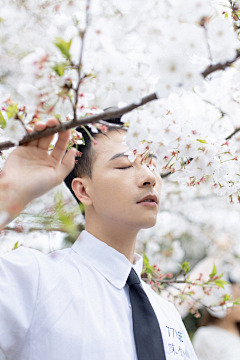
x=208, y=46
x=168, y=281
x=173, y=281
x=227, y=138
x=32, y=229
x=211, y=307
x=79, y=67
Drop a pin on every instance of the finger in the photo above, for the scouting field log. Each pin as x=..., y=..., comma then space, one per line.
x=29, y=130
x=37, y=127
x=68, y=163
x=44, y=142
x=61, y=145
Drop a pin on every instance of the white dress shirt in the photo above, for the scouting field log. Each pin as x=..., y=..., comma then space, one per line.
x=74, y=304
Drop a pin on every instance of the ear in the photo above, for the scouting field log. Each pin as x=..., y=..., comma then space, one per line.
x=79, y=187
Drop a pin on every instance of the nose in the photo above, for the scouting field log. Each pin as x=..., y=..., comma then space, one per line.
x=146, y=177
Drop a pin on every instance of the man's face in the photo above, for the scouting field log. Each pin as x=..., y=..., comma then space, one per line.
x=118, y=187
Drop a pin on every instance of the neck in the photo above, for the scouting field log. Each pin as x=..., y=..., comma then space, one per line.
x=121, y=238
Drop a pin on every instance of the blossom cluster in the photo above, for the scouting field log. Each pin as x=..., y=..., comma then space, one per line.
x=191, y=145
x=129, y=50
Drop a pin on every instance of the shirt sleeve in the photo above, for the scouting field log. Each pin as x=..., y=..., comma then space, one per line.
x=18, y=293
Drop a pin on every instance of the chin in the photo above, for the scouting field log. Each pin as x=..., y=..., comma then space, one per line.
x=148, y=223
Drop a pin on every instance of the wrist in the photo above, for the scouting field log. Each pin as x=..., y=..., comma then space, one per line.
x=11, y=201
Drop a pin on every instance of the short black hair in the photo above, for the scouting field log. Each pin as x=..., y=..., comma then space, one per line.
x=84, y=162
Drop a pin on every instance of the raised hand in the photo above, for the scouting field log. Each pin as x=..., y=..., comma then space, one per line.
x=30, y=171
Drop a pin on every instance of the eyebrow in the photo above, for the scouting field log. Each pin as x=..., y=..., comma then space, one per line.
x=123, y=155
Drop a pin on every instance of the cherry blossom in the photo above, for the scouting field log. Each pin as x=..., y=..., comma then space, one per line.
x=132, y=49
x=14, y=130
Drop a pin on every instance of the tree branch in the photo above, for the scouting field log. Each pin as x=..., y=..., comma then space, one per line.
x=108, y=114
x=117, y=126
x=212, y=68
x=92, y=119
x=233, y=133
x=166, y=174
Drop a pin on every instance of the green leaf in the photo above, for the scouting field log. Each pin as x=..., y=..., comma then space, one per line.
x=15, y=245
x=214, y=271
x=2, y=121
x=58, y=116
x=185, y=267
x=220, y=283
x=236, y=301
x=145, y=260
x=147, y=267
x=59, y=68
x=220, y=276
x=202, y=141
x=12, y=111
x=64, y=47
x=226, y=297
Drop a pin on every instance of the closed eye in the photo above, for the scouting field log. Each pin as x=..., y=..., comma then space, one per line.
x=123, y=168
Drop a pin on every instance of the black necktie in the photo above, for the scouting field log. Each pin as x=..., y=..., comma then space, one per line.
x=147, y=333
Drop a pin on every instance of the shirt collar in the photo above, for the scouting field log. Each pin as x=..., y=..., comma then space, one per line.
x=113, y=265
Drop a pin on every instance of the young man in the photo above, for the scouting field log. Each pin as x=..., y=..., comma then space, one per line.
x=87, y=302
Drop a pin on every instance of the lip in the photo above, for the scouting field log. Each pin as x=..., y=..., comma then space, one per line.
x=149, y=197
